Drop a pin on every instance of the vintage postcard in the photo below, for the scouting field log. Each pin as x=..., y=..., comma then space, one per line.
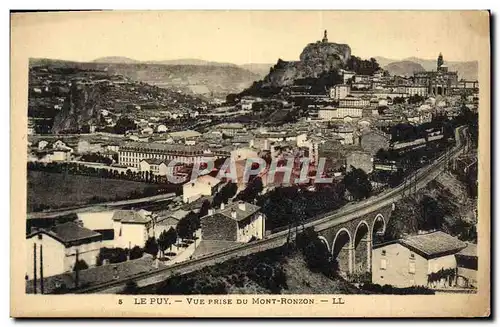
x=250, y=164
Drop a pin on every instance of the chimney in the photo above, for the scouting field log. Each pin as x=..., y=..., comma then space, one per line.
x=210, y=211
x=222, y=206
x=233, y=213
x=242, y=206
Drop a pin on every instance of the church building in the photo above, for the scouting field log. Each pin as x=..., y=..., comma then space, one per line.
x=439, y=82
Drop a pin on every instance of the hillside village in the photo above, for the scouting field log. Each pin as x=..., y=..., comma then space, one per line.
x=354, y=122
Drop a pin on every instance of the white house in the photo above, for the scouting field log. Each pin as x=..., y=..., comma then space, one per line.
x=131, y=228
x=161, y=128
x=154, y=165
x=412, y=261
x=57, y=249
x=203, y=185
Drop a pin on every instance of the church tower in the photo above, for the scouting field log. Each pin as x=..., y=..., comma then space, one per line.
x=325, y=37
x=440, y=62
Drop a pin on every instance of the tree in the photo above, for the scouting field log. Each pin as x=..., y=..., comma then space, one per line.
x=204, y=208
x=151, y=247
x=167, y=239
x=80, y=265
x=357, y=183
x=171, y=237
x=432, y=215
x=316, y=254
x=124, y=124
x=163, y=242
x=136, y=253
x=252, y=190
x=186, y=227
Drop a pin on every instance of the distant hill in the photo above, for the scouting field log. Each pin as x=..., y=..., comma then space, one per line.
x=466, y=69
x=260, y=69
x=115, y=60
x=198, y=77
x=194, y=62
x=403, y=68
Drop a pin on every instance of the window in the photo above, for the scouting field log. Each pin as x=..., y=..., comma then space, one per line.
x=412, y=256
x=411, y=267
x=39, y=236
x=383, y=264
x=383, y=252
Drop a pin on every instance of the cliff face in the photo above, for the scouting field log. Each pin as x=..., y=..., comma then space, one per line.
x=315, y=59
x=80, y=108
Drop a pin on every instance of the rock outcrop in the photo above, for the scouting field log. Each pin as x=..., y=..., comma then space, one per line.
x=316, y=59
x=81, y=107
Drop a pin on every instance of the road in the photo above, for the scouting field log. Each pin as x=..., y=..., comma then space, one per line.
x=112, y=205
x=424, y=176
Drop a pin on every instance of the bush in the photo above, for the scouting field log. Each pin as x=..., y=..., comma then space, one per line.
x=80, y=265
x=136, y=253
x=113, y=255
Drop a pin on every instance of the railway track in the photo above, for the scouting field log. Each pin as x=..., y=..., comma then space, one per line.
x=343, y=215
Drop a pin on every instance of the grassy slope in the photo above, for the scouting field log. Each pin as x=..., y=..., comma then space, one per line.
x=60, y=190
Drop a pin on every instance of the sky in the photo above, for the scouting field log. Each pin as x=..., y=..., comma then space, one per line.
x=247, y=36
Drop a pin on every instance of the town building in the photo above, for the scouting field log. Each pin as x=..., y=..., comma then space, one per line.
x=415, y=260
x=359, y=160
x=372, y=141
x=167, y=220
x=132, y=153
x=439, y=82
x=420, y=90
x=236, y=222
x=467, y=264
x=132, y=228
x=154, y=166
x=56, y=249
x=352, y=102
x=202, y=186
x=339, y=91
x=335, y=113
x=230, y=129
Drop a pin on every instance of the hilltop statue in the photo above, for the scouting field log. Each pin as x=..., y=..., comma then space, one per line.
x=325, y=37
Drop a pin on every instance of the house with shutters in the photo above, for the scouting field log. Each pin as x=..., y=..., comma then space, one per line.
x=421, y=260
x=235, y=222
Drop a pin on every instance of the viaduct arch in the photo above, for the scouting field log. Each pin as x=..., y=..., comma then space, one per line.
x=351, y=243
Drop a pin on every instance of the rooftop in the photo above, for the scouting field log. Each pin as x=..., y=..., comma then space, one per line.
x=434, y=244
x=243, y=210
x=130, y=216
x=69, y=232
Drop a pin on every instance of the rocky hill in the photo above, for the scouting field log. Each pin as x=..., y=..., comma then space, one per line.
x=81, y=107
x=316, y=59
x=404, y=68
x=63, y=99
x=194, y=78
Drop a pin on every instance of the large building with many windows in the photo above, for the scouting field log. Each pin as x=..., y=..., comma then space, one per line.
x=439, y=82
x=132, y=153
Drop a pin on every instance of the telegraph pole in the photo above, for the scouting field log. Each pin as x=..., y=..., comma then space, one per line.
x=76, y=270
x=41, y=269
x=34, y=266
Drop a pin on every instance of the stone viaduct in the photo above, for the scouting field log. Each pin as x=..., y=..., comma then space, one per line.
x=351, y=242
